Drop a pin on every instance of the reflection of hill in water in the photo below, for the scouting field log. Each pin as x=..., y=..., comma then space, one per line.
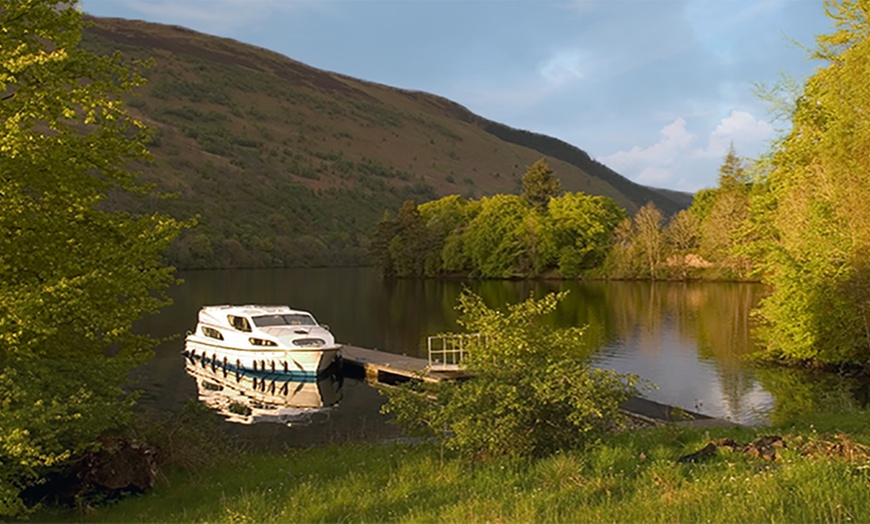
x=247, y=397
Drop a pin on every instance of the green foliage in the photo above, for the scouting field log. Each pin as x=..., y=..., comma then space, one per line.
x=500, y=237
x=73, y=277
x=531, y=392
x=491, y=237
x=540, y=184
x=711, y=239
x=702, y=203
x=816, y=244
x=724, y=213
x=580, y=227
x=408, y=247
x=804, y=395
x=650, y=238
x=379, y=245
x=445, y=219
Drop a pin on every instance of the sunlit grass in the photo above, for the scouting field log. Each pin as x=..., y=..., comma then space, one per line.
x=633, y=477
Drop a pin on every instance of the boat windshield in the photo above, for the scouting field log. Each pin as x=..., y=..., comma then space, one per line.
x=295, y=319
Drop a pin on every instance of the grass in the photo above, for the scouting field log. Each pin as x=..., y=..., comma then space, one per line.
x=821, y=476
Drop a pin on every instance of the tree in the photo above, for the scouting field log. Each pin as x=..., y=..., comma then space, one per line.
x=650, y=238
x=409, y=245
x=681, y=238
x=73, y=277
x=817, y=252
x=727, y=211
x=732, y=173
x=702, y=203
x=621, y=260
x=492, y=240
x=443, y=218
x=539, y=185
x=580, y=227
x=533, y=249
x=532, y=391
x=379, y=244
x=683, y=231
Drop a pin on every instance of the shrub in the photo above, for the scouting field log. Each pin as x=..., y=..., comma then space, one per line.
x=532, y=391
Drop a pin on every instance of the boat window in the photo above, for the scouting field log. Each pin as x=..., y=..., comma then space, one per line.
x=240, y=323
x=212, y=333
x=295, y=319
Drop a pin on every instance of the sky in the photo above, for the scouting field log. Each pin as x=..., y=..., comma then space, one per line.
x=657, y=90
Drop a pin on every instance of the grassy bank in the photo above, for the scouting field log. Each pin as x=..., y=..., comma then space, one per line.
x=821, y=475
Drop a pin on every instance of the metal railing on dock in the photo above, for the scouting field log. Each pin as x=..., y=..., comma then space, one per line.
x=446, y=352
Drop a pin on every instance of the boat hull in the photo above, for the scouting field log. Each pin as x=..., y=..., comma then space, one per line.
x=309, y=362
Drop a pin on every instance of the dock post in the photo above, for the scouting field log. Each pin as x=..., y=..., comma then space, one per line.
x=372, y=375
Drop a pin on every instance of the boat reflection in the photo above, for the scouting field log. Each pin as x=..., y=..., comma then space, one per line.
x=252, y=397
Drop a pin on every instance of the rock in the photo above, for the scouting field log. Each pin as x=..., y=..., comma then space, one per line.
x=120, y=464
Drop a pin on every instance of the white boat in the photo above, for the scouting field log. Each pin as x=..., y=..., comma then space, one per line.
x=262, y=338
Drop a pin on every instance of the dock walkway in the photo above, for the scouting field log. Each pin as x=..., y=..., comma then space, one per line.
x=381, y=366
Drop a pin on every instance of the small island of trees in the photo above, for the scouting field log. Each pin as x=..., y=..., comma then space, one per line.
x=546, y=232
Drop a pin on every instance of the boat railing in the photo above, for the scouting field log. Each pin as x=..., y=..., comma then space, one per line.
x=447, y=351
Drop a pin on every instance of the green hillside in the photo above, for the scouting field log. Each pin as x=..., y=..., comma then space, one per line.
x=287, y=165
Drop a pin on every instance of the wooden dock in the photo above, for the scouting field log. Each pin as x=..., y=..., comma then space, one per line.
x=381, y=366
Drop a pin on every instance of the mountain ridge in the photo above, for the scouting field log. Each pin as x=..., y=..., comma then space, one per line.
x=275, y=156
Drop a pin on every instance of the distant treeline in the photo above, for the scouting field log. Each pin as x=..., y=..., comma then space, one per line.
x=546, y=232
x=503, y=236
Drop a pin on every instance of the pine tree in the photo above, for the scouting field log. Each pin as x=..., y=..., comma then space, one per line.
x=540, y=184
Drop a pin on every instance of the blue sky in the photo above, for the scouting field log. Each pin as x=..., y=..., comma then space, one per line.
x=655, y=89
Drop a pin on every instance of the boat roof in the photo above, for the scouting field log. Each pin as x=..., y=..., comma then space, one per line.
x=252, y=310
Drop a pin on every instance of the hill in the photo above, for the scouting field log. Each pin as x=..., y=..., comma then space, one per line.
x=288, y=165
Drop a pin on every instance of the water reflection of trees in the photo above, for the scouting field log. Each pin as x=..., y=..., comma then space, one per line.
x=724, y=335
x=714, y=317
x=801, y=393
x=712, y=320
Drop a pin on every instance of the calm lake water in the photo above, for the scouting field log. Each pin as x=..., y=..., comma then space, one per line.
x=688, y=339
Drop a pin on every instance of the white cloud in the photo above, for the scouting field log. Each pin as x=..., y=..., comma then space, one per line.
x=747, y=133
x=674, y=162
x=563, y=66
x=654, y=176
x=664, y=154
